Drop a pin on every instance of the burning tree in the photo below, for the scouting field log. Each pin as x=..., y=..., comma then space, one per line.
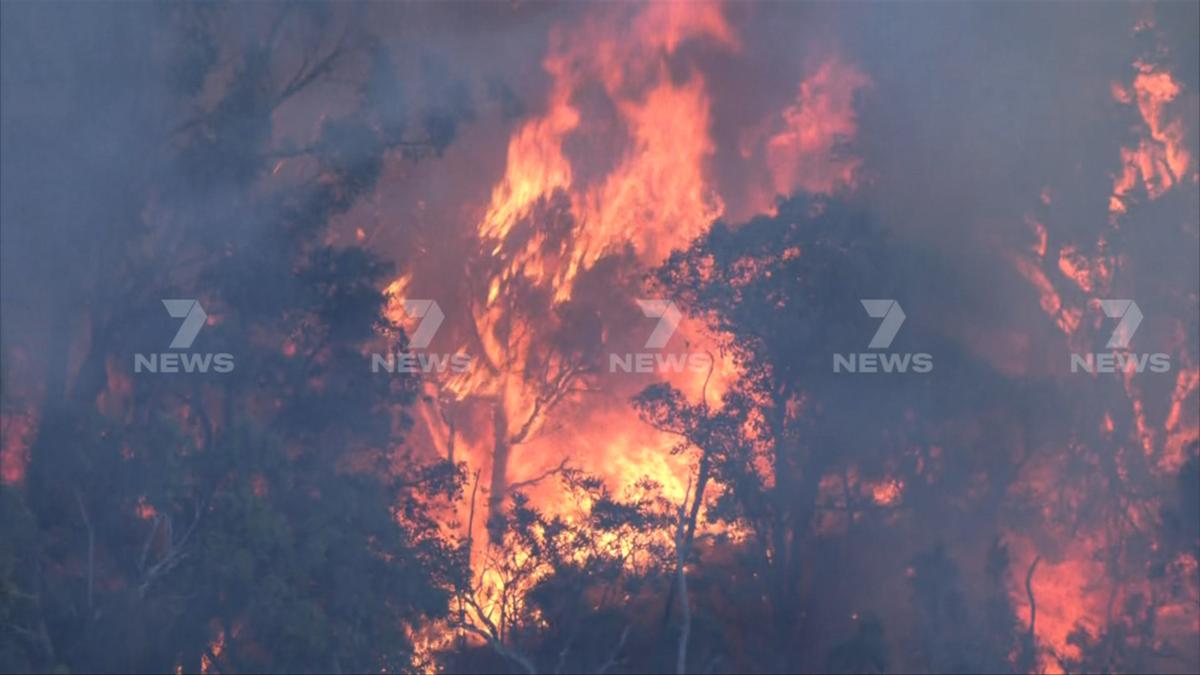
x=265, y=518
x=948, y=496
x=792, y=462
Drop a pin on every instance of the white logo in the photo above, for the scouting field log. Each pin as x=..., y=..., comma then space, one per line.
x=194, y=317
x=1129, y=314
x=668, y=316
x=431, y=317
x=1119, y=359
x=874, y=362
x=893, y=317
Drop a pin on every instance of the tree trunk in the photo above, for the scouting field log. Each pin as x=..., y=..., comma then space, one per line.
x=499, y=485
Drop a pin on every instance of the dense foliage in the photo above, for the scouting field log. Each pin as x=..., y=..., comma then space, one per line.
x=279, y=518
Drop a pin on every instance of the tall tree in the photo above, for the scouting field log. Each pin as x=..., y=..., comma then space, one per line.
x=792, y=445
x=269, y=518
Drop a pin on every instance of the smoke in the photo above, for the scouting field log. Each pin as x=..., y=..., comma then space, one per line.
x=78, y=93
x=549, y=157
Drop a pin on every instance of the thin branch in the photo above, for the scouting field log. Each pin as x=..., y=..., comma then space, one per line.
x=1030, y=647
x=448, y=420
x=501, y=649
x=307, y=75
x=148, y=542
x=559, y=387
x=712, y=363
x=471, y=517
x=562, y=466
x=91, y=548
x=175, y=552
x=1029, y=592
x=570, y=642
x=612, y=659
x=685, y=610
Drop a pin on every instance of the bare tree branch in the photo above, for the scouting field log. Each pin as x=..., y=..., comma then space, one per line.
x=562, y=466
x=91, y=548
x=685, y=610
x=612, y=659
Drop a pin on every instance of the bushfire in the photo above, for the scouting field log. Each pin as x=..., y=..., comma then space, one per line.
x=656, y=336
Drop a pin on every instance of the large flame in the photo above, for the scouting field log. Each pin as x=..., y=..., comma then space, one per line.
x=1075, y=584
x=617, y=163
x=555, y=213
x=1160, y=160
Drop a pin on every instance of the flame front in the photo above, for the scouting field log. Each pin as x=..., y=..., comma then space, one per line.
x=558, y=211
x=1082, y=569
x=738, y=156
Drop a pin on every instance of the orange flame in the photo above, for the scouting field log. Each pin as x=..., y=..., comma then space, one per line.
x=1072, y=586
x=1160, y=160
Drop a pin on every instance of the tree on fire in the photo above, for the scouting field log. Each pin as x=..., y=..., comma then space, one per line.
x=784, y=289
x=249, y=521
x=569, y=592
x=698, y=601
x=275, y=518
